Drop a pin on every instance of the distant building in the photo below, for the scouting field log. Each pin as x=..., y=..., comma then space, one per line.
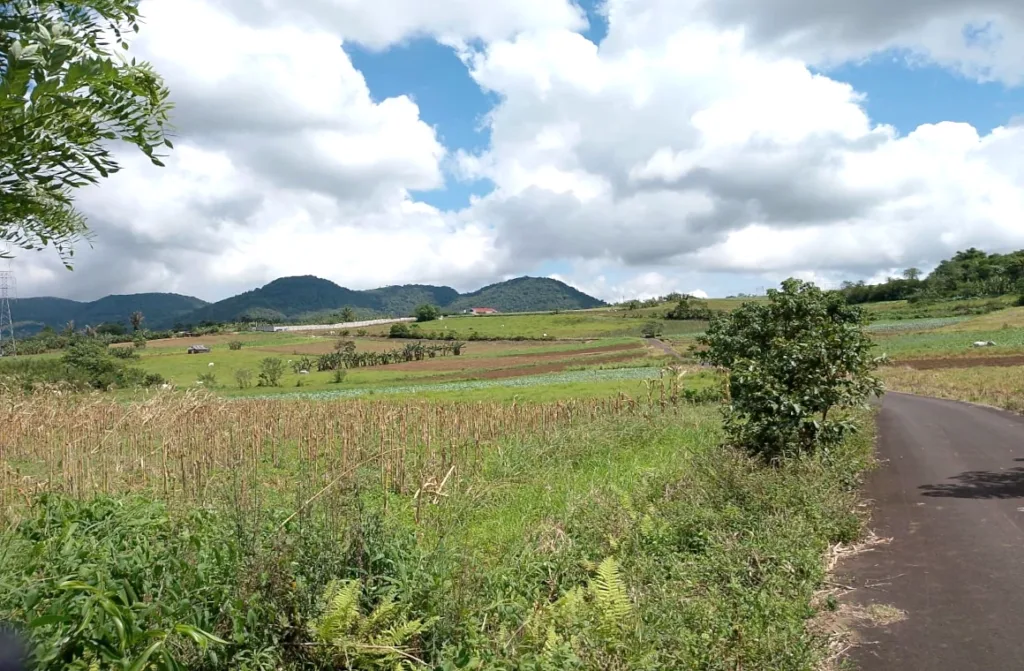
x=480, y=311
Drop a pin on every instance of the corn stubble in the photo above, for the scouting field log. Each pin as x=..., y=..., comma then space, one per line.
x=197, y=449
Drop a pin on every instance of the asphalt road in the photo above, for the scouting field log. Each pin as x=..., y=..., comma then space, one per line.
x=950, y=494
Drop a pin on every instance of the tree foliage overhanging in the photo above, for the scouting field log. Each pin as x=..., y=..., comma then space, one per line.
x=67, y=91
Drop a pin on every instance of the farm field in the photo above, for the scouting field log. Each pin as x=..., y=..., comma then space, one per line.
x=603, y=533
x=603, y=323
x=492, y=364
x=935, y=357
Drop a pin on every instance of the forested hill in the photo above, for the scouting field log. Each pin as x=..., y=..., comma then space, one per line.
x=302, y=298
x=968, y=274
x=34, y=313
x=527, y=294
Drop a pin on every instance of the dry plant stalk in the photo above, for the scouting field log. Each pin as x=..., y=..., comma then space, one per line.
x=198, y=449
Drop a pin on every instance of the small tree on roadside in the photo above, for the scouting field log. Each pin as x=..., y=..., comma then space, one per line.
x=271, y=370
x=796, y=364
x=427, y=313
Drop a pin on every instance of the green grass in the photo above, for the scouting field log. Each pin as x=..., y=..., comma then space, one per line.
x=459, y=388
x=894, y=310
x=582, y=324
x=924, y=324
x=951, y=343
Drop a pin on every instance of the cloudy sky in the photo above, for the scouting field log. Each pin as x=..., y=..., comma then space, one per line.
x=628, y=147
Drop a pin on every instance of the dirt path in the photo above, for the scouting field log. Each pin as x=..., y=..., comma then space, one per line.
x=665, y=347
x=950, y=494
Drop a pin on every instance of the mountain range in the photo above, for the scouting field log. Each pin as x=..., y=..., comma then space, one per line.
x=305, y=298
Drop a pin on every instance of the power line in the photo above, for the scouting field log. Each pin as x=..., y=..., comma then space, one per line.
x=8, y=292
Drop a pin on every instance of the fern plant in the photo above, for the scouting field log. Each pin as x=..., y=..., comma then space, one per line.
x=379, y=640
x=565, y=629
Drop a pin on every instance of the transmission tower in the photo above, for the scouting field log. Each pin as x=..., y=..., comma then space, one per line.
x=8, y=292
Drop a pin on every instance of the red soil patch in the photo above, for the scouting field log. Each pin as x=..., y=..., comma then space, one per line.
x=963, y=362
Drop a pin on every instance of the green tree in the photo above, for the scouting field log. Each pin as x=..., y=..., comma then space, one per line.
x=796, y=363
x=271, y=370
x=427, y=313
x=348, y=315
x=651, y=329
x=66, y=92
x=136, y=319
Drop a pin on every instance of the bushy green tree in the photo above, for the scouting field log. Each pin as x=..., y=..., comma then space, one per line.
x=651, y=329
x=427, y=313
x=271, y=370
x=796, y=363
x=66, y=92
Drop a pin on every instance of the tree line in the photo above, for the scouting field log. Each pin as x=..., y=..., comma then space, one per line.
x=971, y=273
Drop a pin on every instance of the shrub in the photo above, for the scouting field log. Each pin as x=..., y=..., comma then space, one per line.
x=338, y=375
x=305, y=363
x=271, y=370
x=1020, y=301
x=427, y=313
x=689, y=308
x=795, y=363
x=123, y=352
x=243, y=377
x=208, y=379
x=111, y=583
x=139, y=341
x=235, y=345
x=651, y=329
x=399, y=330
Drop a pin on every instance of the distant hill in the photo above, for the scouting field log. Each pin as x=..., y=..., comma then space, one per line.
x=280, y=300
x=32, y=314
x=527, y=294
x=293, y=298
x=402, y=300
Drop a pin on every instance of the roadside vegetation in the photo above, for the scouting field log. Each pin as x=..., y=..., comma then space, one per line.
x=445, y=528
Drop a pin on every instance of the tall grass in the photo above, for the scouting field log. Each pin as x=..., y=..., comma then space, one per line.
x=195, y=448
x=604, y=534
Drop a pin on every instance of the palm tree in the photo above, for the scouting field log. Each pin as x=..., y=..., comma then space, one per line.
x=137, y=318
x=348, y=315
